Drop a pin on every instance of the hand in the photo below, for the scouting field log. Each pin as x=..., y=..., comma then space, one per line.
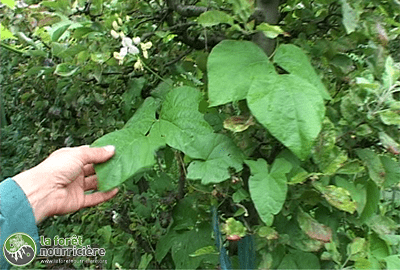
x=58, y=184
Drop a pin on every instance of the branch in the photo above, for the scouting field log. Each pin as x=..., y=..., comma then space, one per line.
x=185, y=10
x=197, y=43
x=10, y=48
x=182, y=178
x=179, y=57
x=190, y=11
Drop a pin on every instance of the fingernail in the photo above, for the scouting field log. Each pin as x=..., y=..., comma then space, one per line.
x=110, y=148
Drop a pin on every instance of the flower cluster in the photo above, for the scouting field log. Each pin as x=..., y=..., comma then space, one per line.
x=129, y=46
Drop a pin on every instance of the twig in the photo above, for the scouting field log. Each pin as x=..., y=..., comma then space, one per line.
x=179, y=57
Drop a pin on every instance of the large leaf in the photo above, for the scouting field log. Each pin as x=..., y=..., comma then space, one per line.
x=290, y=108
x=217, y=154
x=268, y=189
x=180, y=120
x=295, y=61
x=233, y=67
x=134, y=149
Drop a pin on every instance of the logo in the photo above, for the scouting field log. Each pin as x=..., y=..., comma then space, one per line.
x=19, y=249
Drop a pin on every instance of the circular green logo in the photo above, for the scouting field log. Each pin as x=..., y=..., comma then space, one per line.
x=19, y=249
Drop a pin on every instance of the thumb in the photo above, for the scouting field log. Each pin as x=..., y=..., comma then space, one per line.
x=96, y=155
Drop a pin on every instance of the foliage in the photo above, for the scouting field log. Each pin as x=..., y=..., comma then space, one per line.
x=290, y=159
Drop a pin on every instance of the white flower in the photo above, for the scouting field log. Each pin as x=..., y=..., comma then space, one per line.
x=136, y=40
x=123, y=52
x=145, y=47
x=138, y=65
x=120, y=21
x=114, y=34
x=127, y=43
x=115, y=25
x=127, y=47
x=118, y=57
x=21, y=4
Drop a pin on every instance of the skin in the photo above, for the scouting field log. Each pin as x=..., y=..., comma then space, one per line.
x=57, y=185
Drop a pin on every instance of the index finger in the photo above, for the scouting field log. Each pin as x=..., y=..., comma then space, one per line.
x=95, y=155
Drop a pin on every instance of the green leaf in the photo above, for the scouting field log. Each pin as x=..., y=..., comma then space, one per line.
x=9, y=3
x=389, y=117
x=375, y=167
x=106, y=232
x=214, y=17
x=378, y=247
x=358, y=246
x=268, y=189
x=373, y=197
x=135, y=149
x=391, y=74
x=240, y=195
x=65, y=70
x=290, y=108
x=233, y=67
x=82, y=32
x=100, y=57
x=350, y=17
x=182, y=245
x=234, y=227
x=270, y=31
x=326, y=154
x=295, y=61
x=300, y=260
x=205, y=251
x=392, y=171
x=180, y=121
x=218, y=155
x=144, y=116
x=357, y=191
x=59, y=32
x=145, y=260
x=5, y=33
x=392, y=262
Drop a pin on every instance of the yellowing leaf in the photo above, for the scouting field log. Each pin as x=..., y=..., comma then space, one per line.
x=238, y=123
x=214, y=17
x=9, y=3
x=313, y=228
x=5, y=33
x=270, y=31
x=338, y=197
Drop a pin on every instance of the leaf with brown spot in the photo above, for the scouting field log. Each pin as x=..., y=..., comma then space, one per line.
x=313, y=228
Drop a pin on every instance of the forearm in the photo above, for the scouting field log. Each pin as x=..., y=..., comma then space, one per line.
x=16, y=215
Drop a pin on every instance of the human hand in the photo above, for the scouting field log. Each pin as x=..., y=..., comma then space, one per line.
x=58, y=184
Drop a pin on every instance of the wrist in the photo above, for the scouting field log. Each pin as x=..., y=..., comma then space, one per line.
x=38, y=195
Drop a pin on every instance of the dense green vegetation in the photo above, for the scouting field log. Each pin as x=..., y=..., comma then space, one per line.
x=227, y=156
